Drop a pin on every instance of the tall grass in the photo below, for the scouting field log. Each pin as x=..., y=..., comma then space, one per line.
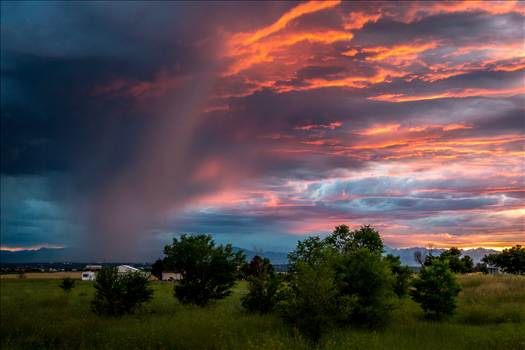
x=38, y=314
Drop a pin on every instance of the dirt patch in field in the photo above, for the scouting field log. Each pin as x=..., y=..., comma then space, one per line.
x=44, y=275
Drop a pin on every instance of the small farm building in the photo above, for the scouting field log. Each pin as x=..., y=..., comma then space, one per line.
x=89, y=273
x=126, y=269
x=171, y=276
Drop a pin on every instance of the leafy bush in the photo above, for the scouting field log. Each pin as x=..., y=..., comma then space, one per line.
x=119, y=294
x=436, y=289
x=337, y=281
x=258, y=267
x=263, y=286
x=365, y=277
x=208, y=272
x=401, y=274
x=67, y=284
x=311, y=301
x=263, y=293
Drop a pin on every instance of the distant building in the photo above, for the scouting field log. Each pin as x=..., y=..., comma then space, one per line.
x=171, y=276
x=491, y=270
x=89, y=273
x=88, y=276
x=126, y=269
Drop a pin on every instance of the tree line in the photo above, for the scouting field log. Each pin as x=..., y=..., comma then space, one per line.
x=339, y=281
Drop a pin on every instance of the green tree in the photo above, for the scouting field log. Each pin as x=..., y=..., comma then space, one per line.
x=453, y=256
x=367, y=237
x=263, y=293
x=208, y=271
x=468, y=264
x=436, y=289
x=158, y=267
x=401, y=274
x=258, y=267
x=311, y=301
x=67, y=284
x=118, y=294
x=338, y=281
x=263, y=286
x=342, y=239
x=365, y=276
x=509, y=260
x=309, y=251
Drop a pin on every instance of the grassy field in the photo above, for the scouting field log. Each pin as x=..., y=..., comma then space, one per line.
x=38, y=314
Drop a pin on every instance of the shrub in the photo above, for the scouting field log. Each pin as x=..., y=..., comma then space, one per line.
x=310, y=303
x=338, y=281
x=119, y=294
x=365, y=277
x=208, y=272
x=436, y=289
x=258, y=267
x=263, y=293
x=263, y=286
x=401, y=274
x=67, y=284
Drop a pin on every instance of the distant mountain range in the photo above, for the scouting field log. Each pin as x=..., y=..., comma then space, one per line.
x=50, y=255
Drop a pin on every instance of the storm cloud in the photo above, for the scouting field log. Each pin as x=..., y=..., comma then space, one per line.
x=123, y=124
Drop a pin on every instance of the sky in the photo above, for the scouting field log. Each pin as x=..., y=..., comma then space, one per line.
x=125, y=124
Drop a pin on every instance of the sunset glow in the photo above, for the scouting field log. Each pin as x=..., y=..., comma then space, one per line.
x=266, y=123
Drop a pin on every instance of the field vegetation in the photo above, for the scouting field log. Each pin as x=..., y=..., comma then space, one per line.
x=37, y=314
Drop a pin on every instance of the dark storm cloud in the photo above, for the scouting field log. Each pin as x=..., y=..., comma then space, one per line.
x=457, y=28
x=105, y=101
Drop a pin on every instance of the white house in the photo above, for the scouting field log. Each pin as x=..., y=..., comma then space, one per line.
x=126, y=269
x=89, y=273
x=88, y=276
x=492, y=270
x=171, y=276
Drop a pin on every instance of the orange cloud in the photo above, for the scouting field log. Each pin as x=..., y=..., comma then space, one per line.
x=244, y=39
x=448, y=94
x=249, y=49
x=445, y=127
x=32, y=247
x=398, y=53
x=422, y=9
x=245, y=56
x=379, y=129
x=357, y=20
x=331, y=126
x=447, y=240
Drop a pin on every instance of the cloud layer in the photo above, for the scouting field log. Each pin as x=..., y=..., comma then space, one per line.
x=124, y=124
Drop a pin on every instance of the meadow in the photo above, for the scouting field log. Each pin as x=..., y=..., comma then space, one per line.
x=37, y=314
